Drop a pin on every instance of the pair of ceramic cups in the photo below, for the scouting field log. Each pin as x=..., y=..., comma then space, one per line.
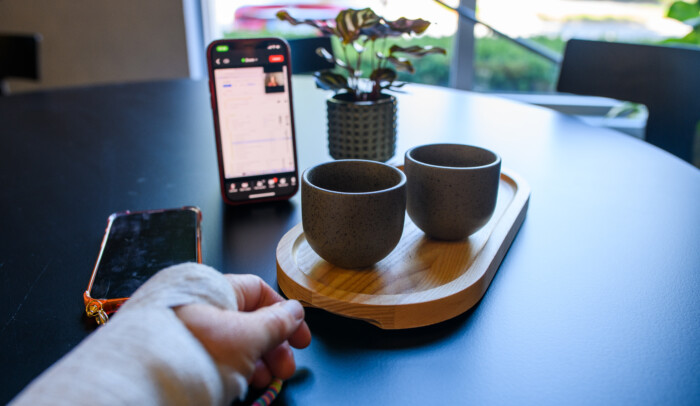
x=353, y=210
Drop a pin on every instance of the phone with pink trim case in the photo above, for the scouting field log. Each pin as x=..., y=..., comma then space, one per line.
x=135, y=246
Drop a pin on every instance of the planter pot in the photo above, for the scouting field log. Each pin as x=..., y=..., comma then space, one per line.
x=362, y=130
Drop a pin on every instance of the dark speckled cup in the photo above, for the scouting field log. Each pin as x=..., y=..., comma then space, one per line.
x=451, y=188
x=353, y=210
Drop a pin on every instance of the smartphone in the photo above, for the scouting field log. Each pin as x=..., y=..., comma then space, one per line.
x=135, y=246
x=251, y=98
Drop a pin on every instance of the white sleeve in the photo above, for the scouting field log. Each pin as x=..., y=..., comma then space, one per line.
x=145, y=355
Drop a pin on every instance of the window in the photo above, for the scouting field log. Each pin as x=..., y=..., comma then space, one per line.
x=240, y=19
x=488, y=62
x=499, y=65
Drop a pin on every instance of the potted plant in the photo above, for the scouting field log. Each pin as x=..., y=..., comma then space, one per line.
x=361, y=115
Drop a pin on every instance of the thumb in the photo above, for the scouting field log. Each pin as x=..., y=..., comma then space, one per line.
x=272, y=325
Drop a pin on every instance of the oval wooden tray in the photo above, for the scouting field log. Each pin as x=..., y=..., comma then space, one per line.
x=421, y=282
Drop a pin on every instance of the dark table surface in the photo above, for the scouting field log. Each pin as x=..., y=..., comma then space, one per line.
x=596, y=302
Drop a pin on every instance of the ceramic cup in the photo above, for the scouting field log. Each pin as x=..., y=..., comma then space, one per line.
x=353, y=210
x=451, y=188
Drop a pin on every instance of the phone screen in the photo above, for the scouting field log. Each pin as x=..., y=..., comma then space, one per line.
x=139, y=244
x=251, y=94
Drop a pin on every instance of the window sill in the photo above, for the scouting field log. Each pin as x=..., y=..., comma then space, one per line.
x=592, y=110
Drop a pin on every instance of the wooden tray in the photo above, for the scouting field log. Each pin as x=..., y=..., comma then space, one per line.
x=421, y=282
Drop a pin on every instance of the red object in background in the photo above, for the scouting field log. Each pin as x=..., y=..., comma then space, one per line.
x=276, y=58
x=256, y=18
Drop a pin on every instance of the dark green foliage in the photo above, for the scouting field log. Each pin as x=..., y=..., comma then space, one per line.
x=366, y=64
x=687, y=13
x=500, y=65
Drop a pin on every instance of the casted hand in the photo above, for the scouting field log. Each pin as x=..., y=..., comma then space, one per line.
x=256, y=339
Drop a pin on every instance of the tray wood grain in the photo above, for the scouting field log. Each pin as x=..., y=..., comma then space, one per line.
x=421, y=282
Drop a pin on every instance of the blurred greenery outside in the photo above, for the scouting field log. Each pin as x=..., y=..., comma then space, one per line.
x=499, y=65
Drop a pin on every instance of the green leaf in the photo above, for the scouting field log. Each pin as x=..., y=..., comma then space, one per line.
x=321, y=25
x=350, y=22
x=406, y=26
x=380, y=30
x=693, y=37
x=284, y=16
x=625, y=109
x=323, y=53
x=383, y=75
x=398, y=85
x=683, y=11
x=401, y=64
x=331, y=81
x=358, y=47
x=394, y=87
x=417, y=50
x=693, y=22
x=367, y=18
x=347, y=31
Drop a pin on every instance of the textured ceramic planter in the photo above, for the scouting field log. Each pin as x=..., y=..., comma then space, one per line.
x=362, y=130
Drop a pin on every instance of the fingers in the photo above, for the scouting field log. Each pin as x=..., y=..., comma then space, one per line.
x=257, y=339
x=262, y=375
x=252, y=292
x=276, y=363
x=280, y=361
x=253, y=343
x=270, y=326
x=301, y=338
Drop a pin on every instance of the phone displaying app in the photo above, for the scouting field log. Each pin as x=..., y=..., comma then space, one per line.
x=250, y=84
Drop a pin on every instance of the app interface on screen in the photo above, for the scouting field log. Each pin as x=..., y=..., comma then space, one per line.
x=254, y=120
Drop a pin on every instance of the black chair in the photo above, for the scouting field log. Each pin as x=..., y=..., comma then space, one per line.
x=304, y=57
x=664, y=78
x=19, y=58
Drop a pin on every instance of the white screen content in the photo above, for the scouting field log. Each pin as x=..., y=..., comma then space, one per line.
x=255, y=122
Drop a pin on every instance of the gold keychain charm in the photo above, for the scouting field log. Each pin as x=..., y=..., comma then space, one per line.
x=94, y=309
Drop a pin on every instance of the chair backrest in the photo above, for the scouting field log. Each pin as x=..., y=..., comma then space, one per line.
x=664, y=78
x=304, y=57
x=19, y=58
